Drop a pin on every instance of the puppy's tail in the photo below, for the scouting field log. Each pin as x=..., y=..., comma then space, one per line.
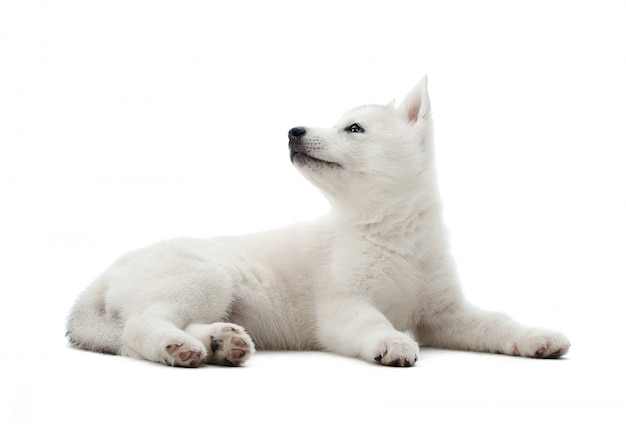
x=90, y=327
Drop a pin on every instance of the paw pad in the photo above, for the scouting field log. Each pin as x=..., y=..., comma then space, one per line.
x=182, y=355
x=230, y=346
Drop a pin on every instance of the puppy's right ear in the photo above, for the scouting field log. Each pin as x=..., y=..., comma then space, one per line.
x=416, y=105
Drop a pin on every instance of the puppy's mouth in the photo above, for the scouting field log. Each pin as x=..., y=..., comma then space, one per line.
x=299, y=157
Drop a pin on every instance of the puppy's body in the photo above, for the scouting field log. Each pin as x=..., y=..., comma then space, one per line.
x=367, y=280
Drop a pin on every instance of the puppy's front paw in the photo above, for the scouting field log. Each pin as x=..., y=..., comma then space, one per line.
x=540, y=343
x=398, y=350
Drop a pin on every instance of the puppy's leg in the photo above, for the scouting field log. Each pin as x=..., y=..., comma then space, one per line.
x=155, y=335
x=353, y=327
x=227, y=344
x=466, y=327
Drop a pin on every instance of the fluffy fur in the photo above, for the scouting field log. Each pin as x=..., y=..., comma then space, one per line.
x=368, y=280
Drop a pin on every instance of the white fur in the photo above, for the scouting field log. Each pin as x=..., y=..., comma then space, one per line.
x=366, y=281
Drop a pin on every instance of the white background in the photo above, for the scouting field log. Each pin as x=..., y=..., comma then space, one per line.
x=127, y=122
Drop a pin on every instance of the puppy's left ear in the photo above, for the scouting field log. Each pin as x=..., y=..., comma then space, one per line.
x=416, y=104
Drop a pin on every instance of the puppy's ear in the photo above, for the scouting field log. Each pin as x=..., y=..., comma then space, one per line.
x=416, y=104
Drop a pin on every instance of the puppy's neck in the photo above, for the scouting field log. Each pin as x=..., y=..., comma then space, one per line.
x=397, y=230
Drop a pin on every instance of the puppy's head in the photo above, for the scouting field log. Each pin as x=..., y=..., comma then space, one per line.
x=373, y=160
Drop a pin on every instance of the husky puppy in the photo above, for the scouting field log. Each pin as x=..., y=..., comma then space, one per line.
x=370, y=280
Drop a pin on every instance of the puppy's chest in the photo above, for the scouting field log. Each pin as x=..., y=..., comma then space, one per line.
x=398, y=288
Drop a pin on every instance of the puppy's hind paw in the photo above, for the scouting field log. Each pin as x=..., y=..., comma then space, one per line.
x=230, y=345
x=183, y=354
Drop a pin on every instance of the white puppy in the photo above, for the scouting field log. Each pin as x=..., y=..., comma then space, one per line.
x=366, y=281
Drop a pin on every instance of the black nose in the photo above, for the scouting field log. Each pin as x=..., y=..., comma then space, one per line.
x=296, y=132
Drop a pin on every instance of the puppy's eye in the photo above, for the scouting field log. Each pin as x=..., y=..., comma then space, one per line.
x=355, y=128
